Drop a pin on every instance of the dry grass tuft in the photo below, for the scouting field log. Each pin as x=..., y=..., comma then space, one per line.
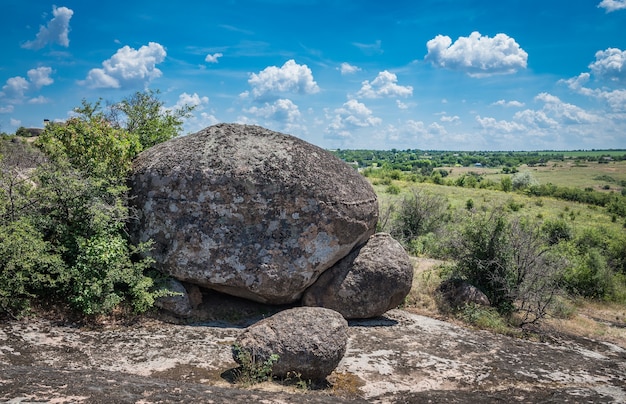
x=346, y=385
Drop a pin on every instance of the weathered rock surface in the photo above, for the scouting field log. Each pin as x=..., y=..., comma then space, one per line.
x=455, y=293
x=178, y=304
x=309, y=341
x=249, y=212
x=400, y=357
x=372, y=279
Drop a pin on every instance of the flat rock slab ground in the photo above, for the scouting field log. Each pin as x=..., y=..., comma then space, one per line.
x=401, y=357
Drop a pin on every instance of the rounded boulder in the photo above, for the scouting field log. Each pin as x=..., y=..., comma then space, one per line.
x=308, y=341
x=371, y=280
x=248, y=211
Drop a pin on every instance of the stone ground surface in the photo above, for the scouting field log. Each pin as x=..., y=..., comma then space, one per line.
x=400, y=357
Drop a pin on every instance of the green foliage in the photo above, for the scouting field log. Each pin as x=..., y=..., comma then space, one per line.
x=104, y=275
x=29, y=267
x=251, y=370
x=418, y=214
x=18, y=161
x=483, y=317
x=510, y=262
x=22, y=132
x=506, y=184
x=392, y=189
x=295, y=378
x=523, y=180
x=145, y=116
x=92, y=146
x=557, y=230
x=63, y=212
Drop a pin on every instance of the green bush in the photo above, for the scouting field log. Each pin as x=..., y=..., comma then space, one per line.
x=392, y=189
x=510, y=261
x=29, y=267
x=590, y=276
x=63, y=217
x=417, y=214
x=557, y=230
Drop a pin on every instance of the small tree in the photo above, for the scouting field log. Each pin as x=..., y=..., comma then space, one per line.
x=506, y=184
x=418, y=214
x=523, y=180
x=144, y=115
x=510, y=261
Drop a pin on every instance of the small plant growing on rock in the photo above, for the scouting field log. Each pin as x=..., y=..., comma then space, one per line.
x=250, y=370
x=295, y=378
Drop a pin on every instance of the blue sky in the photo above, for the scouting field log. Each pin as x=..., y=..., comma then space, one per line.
x=445, y=75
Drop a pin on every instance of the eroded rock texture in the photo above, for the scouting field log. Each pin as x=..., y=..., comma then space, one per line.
x=248, y=211
x=372, y=279
x=309, y=341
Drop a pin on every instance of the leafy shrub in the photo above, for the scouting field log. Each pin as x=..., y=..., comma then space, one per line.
x=29, y=266
x=590, y=276
x=557, y=231
x=392, y=189
x=483, y=317
x=63, y=217
x=509, y=261
x=418, y=213
x=523, y=180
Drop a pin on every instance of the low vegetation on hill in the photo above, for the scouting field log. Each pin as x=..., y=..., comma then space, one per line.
x=534, y=243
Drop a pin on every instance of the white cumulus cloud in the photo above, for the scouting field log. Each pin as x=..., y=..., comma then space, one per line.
x=40, y=76
x=612, y=5
x=192, y=100
x=213, y=58
x=384, y=85
x=477, y=55
x=282, y=110
x=352, y=115
x=610, y=64
x=128, y=68
x=290, y=78
x=504, y=103
x=347, y=68
x=56, y=31
x=490, y=123
x=565, y=112
x=15, y=88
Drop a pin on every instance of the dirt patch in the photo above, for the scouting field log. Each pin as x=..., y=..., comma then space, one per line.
x=401, y=357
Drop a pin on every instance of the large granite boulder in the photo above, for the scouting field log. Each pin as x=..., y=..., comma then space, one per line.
x=309, y=341
x=371, y=280
x=248, y=211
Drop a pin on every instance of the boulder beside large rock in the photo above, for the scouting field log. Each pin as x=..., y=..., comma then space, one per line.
x=248, y=211
x=309, y=341
x=371, y=280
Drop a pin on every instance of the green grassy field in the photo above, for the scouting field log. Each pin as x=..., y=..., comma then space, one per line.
x=600, y=177
x=578, y=214
x=587, y=153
